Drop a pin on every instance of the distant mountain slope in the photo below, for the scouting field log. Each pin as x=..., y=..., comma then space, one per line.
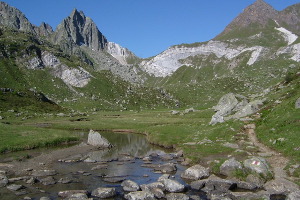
x=254, y=52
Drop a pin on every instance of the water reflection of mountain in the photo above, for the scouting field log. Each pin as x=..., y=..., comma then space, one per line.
x=132, y=144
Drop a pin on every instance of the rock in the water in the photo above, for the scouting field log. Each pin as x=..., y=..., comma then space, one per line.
x=48, y=181
x=95, y=139
x=158, y=193
x=229, y=167
x=104, y=192
x=45, y=198
x=297, y=104
x=258, y=165
x=15, y=187
x=177, y=196
x=65, y=180
x=172, y=185
x=78, y=196
x=195, y=172
x=44, y=173
x=3, y=180
x=294, y=195
x=149, y=186
x=140, y=195
x=130, y=186
x=68, y=193
x=166, y=168
x=198, y=185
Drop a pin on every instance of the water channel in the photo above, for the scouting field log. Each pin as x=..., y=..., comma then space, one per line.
x=88, y=169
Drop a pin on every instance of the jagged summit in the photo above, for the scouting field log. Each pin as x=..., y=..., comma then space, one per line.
x=81, y=30
x=13, y=18
x=258, y=13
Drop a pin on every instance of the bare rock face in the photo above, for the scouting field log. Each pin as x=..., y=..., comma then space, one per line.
x=13, y=18
x=80, y=30
x=44, y=29
x=123, y=55
x=77, y=77
x=95, y=139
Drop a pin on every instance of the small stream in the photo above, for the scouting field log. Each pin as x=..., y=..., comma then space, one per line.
x=99, y=168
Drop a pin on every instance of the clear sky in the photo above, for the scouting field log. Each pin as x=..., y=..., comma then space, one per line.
x=146, y=27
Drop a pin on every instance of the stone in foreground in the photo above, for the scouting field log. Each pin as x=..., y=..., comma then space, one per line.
x=230, y=166
x=140, y=195
x=130, y=186
x=172, y=185
x=104, y=192
x=177, y=196
x=195, y=172
x=258, y=165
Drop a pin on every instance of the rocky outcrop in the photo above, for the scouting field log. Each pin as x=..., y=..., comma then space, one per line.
x=13, y=18
x=95, y=139
x=168, y=62
x=80, y=30
x=77, y=77
x=44, y=30
x=123, y=55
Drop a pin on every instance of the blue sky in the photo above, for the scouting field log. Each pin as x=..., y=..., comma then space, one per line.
x=146, y=27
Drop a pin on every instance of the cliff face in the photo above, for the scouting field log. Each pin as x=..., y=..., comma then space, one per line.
x=13, y=18
x=80, y=30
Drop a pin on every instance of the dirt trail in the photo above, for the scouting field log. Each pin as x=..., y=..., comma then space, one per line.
x=277, y=161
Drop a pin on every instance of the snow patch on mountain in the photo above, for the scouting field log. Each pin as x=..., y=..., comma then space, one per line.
x=288, y=35
x=167, y=62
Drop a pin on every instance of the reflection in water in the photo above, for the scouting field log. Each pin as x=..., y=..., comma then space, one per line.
x=132, y=144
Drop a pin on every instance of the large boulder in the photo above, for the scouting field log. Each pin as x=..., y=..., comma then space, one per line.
x=166, y=168
x=195, y=172
x=130, y=186
x=104, y=192
x=229, y=167
x=140, y=195
x=226, y=104
x=258, y=165
x=172, y=185
x=95, y=139
x=249, y=109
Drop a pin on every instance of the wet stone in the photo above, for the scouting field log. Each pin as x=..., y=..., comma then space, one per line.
x=68, y=193
x=104, y=192
x=130, y=186
x=103, y=166
x=114, y=179
x=48, y=181
x=14, y=187
x=177, y=196
x=140, y=195
x=44, y=173
x=65, y=180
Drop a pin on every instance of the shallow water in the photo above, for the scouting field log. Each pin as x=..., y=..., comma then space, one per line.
x=84, y=178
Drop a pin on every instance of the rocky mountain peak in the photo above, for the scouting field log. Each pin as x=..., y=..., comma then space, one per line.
x=81, y=30
x=44, y=29
x=13, y=18
x=259, y=13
